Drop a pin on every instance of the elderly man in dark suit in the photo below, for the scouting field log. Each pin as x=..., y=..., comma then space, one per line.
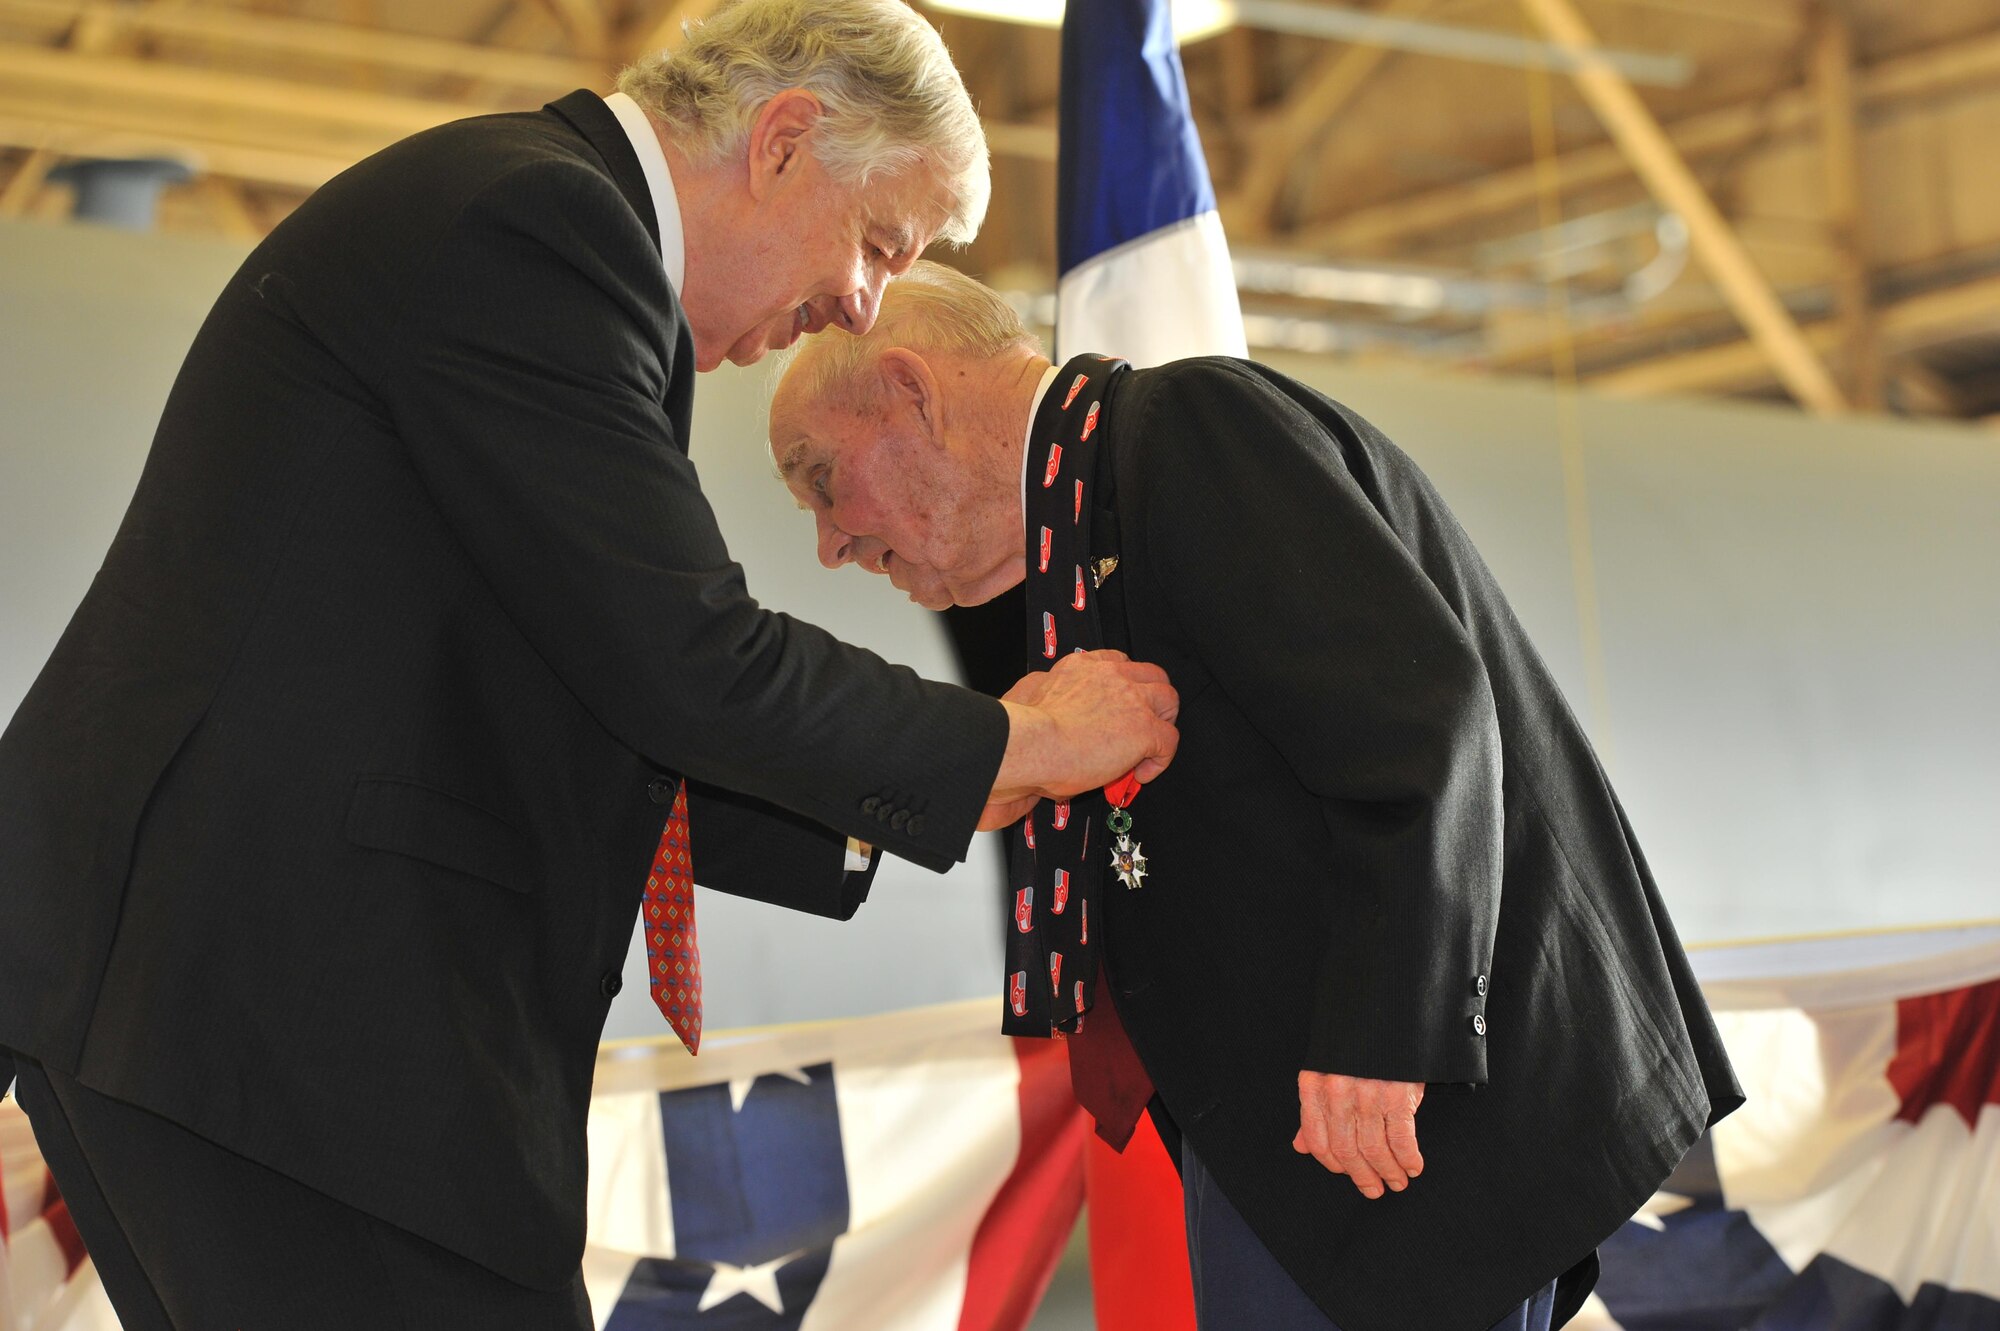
x=418, y=660
x=1384, y=918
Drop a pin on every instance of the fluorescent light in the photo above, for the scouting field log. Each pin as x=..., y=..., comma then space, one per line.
x=1196, y=19
x=1193, y=19
x=1424, y=37
x=1035, y=13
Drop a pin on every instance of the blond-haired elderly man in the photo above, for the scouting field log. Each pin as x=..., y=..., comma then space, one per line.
x=1383, y=919
x=419, y=660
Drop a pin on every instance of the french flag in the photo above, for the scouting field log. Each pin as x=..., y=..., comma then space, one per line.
x=912, y=1172
x=1144, y=269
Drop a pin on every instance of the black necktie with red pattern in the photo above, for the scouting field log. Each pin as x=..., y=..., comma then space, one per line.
x=1061, y=850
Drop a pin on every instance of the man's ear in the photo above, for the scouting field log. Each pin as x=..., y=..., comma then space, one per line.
x=781, y=138
x=913, y=390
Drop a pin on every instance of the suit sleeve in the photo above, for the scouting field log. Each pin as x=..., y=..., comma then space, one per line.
x=528, y=385
x=1327, y=635
x=751, y=848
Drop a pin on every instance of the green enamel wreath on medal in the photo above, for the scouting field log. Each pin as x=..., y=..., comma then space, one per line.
x=1125, y=856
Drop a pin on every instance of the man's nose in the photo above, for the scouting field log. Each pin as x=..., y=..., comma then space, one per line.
x=859, y=308
x=836, y=547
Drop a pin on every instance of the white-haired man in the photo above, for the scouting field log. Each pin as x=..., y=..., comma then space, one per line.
x=419, y=659
x=1384, y=895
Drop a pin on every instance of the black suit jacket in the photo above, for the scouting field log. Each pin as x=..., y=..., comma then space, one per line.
x=324, y=829
x=1385, y=849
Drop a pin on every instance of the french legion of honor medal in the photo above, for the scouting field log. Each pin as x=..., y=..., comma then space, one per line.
x=1125, y=856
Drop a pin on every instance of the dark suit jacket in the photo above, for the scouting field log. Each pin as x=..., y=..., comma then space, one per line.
x=323, y=831
x=1385, y=849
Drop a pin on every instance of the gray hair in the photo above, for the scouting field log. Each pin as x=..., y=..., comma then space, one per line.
x=892, y=100
x=931, y=307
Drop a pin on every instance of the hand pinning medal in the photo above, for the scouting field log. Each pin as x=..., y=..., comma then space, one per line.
x=1125, y=856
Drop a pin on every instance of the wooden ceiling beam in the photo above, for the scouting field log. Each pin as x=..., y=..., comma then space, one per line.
x=284, y=106
x=1329, y=87
x=1922, y=391
x=230, y=209
x=276, y=35
x=521, y=23
x=1666, y=173
x=88, y=34
x=584, y=24
x=665, y=29
x=1832, y=70
x=1923, y=73
x=26, y=182
x=243, y=125
x=1904, y=326
x=208, y=148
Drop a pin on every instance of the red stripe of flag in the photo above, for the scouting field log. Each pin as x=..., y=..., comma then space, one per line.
x=1021, y=1238
x=63, y=1229
x=1948, y=1052
x=1139, y=1275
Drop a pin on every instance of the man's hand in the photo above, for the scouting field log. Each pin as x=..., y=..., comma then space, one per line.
x=1085, y=722
x=1364, y=1129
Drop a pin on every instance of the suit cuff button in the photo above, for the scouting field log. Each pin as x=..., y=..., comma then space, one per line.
x=916, y=827
x=1478, y=1024
x=898, y=818
x=872, y=803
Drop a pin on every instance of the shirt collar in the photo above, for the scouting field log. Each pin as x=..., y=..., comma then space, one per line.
x=666, y=204
x=1028, y=435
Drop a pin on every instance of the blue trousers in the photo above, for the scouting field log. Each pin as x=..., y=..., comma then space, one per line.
x=1239, y=1285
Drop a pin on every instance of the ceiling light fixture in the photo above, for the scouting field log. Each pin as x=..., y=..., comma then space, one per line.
x=1193, y=19
x=1196, y=19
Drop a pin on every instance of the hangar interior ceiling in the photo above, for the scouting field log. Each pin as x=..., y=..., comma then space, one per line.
x=1787, y=199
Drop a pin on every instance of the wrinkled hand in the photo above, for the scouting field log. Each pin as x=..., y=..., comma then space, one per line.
x=1364, y=1129
x=1085, y=722
x=998, y=815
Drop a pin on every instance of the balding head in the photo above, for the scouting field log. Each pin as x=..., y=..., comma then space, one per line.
x=932, y=309
x=905, y=442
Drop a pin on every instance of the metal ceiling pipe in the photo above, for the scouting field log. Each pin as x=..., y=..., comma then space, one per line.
x=121, y=192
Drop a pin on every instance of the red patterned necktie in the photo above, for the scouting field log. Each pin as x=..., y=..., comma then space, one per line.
x=673, y=958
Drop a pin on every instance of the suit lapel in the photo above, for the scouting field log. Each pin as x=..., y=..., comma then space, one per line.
x=593, y=119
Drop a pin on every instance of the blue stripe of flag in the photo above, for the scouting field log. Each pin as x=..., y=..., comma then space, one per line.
x=1130, y=161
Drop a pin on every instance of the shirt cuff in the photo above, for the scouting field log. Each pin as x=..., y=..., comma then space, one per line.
x=859, y=856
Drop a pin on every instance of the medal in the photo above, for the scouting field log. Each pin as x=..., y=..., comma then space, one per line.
x=1125, y=856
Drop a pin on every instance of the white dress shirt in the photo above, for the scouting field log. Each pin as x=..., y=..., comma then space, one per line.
x=659, y=180
x=1028, y=440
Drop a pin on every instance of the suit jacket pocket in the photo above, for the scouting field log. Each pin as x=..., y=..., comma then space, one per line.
x=406, y=818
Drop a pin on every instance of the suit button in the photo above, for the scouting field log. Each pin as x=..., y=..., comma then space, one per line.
x=883, y=814
x=610, y=983
x=872, y=803
x=1478, y=1024
x=916, y=827
x=898, y=818
x=660, y=790
x=1479, y=986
